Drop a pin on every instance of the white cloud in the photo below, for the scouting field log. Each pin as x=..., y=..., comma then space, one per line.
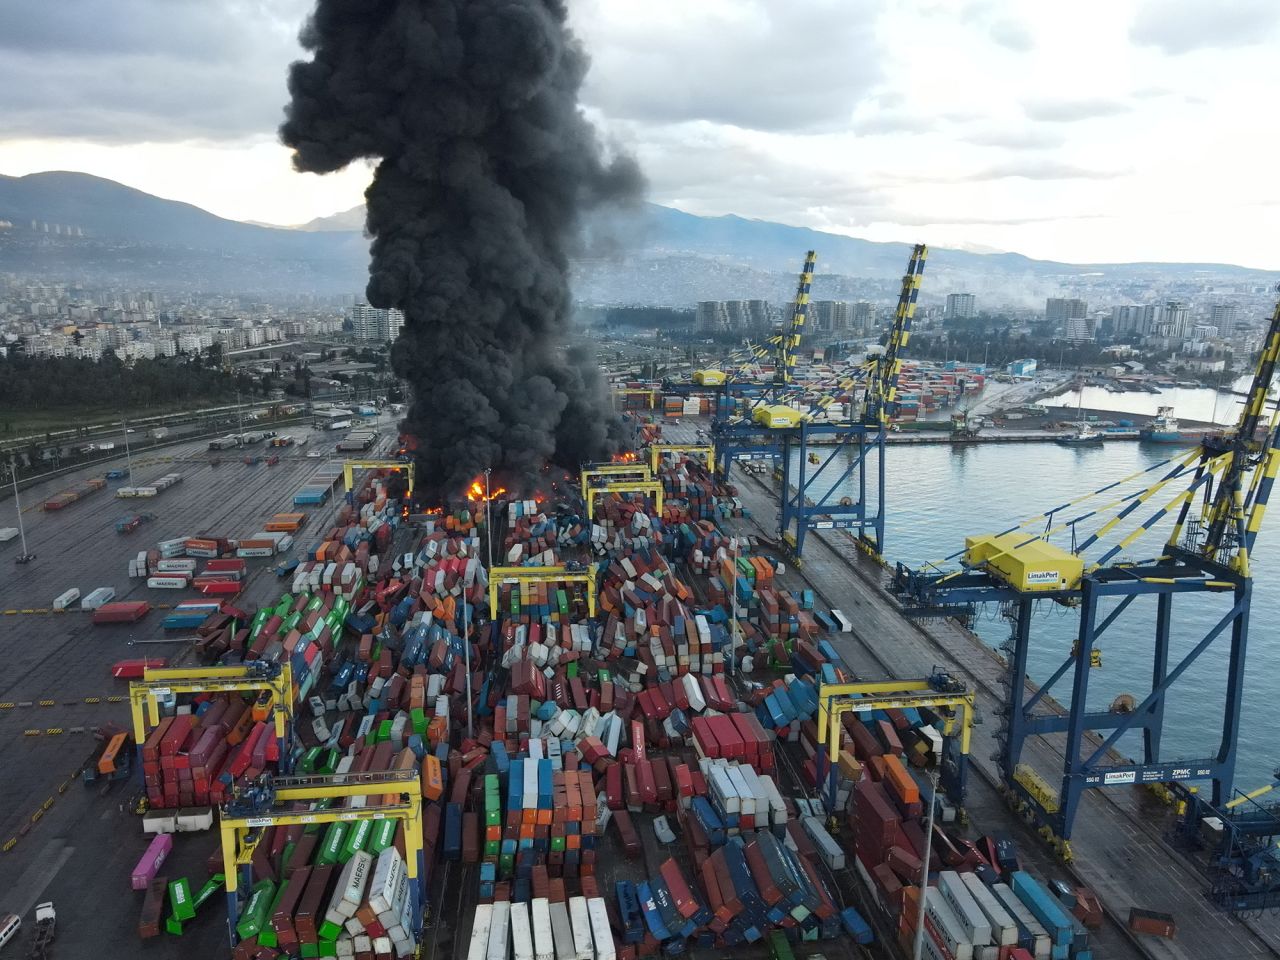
x=1092, y=131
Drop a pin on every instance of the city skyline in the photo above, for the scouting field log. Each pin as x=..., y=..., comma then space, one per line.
x=968, y=124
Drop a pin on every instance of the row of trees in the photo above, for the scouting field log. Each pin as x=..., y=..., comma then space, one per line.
x=60, y=382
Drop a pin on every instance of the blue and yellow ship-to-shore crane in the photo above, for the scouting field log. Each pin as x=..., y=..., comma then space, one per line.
x=1221, y=488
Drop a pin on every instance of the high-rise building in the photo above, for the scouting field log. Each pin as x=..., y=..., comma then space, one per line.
x=961, y=306
x=1223, y=316
x=831, y=316
x=1135, y=318
x=864, y=317
x=1178, y=317
x=710, y=316
x=715, y=315
x=1062, y=309
x=1078, y=329
x=374, y=323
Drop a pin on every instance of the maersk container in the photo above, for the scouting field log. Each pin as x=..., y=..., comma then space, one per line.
x=543, y=942
x=977, y=926
x=601, y=931
x=500, y=932
x=64, y=600
x=168, y=582
x=947, y=925
x=521, y=932
x=562, y=932
x=581, y=921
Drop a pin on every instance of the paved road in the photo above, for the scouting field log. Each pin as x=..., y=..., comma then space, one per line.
x=1117, y=844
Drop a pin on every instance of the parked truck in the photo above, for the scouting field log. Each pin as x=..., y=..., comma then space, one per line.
x=45, y=932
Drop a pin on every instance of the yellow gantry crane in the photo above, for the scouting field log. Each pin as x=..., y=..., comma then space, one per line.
x=659, y=450
x=349, y=467
x=636, y=471
x=558, y=574
x=652, y=487
x=257, y=675
x=272, y=801
x=939, y=693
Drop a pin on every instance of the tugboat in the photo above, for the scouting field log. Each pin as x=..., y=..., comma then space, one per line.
x=1082, y=436
x=1163, y=429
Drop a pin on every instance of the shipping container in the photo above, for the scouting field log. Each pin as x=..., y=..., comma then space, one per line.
x=543, y=940
x=123, y=612
x=521, y=932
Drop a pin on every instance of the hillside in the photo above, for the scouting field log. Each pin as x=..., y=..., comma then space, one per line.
x=127, y=235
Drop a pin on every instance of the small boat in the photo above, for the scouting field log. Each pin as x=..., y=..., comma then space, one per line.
x=1082, y=436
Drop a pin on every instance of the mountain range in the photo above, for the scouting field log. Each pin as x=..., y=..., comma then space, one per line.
x=123, y=234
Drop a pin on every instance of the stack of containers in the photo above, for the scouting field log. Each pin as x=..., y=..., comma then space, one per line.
x=74, y=493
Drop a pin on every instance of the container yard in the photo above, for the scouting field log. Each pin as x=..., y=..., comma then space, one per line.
x=628, y=785
x=643, y=733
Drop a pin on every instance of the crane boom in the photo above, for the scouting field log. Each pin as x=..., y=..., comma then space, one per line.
x=1224, y=518
x=882, y=389
x=789, y=341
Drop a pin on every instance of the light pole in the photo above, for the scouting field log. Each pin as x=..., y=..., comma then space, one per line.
x=733, y=626
x=128, y=459
x=924, y=868
x=22, y=530
x=488, y=521
x=466, y=648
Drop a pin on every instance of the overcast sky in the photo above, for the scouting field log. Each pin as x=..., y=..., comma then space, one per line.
x=1096, y=130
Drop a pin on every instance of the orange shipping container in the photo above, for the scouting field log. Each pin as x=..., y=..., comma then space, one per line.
x=432, y=784
x=899, y=781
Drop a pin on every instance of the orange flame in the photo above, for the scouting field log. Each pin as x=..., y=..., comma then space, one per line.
x=475, y=492
x=629, y=456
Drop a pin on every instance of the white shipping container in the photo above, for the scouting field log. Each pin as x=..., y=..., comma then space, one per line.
x=946, y=923
x=194, y=820
x=98, y=597
x=63, y=600
x=7, y=533
x=521, y=932
x=975, y=922
x=500, y=931
x=601, y=932
x=177, y=565
x=1042, y=943
x=543, y=943
x=386, y=878
x=581, y=921
x=1003, y=929
x=168, y=582
x=479, y=946
x=832, y=853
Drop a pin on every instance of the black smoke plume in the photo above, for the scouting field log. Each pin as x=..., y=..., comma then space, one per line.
x=485, y=164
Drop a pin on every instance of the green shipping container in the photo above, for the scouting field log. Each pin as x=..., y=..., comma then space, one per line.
x=357, y=839
x=180, y=899
x=331, y=845
x=384, y=835
x=256, y=911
